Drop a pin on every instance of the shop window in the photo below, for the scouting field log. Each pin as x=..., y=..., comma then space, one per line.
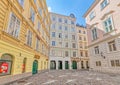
x=24, y=65
x=5, y=65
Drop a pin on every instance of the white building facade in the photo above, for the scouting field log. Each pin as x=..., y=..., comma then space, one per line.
x=63, y=41
x=103, y=24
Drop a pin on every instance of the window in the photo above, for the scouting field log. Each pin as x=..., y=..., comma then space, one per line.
x=53, y=18
x=104, y=4
x=84, y=38
x=74, y=54
x=86, y=54
x=79, y=31
x=72, y=29
x=53, y=43
x=94, y=34
x=32, y=15
x=39, y=26
x=72, y=22
x=66, y=44
x=60, y=27
x=66, y=21
x=66, y=28
x=40, y=11
x=112, y=46
x=37, y=44
x=73, y=45
x=92, y=15
x=53, y=34
x=60, y=20
x=84, y=32
x=96, y=50
x=29, y=38
x=108, y=25
x=60, y=35
x=80, y=38
x=73, y=37
x=81, y=53
x=66, y=54
x=5, y=64
x=98, y=63
x=81, y=45
x=115, y=63
x=66, y=36
x=53, y=26
x=14, y=26
x=35, y=1
x=21, y=2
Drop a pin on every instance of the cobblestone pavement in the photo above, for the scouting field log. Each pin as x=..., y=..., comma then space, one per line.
x=70, y=78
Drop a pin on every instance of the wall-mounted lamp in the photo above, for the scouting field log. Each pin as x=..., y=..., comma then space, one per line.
x=102, y=55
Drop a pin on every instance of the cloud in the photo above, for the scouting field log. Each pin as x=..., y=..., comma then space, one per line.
x=49, y=9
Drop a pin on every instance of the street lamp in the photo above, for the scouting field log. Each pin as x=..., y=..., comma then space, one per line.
x=102, y=55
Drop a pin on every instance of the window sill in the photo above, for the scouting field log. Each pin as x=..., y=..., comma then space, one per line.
x=95, y=39
x=7, y=34
x=109, y=32
x=28, y=46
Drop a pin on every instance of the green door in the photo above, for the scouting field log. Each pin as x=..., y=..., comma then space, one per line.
x=74, y=65
x=35, y=67
x=66, y=65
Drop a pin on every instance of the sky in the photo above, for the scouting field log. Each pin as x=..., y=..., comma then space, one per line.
x=66, y=7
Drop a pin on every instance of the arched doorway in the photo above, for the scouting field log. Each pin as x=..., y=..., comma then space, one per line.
x=52, y=65
x=24, y=65
x=82, y=66
x=74, y=65
x=66, y=65
x=35, y=67
x=6, y=64
x=87, y=65
x=59, y=64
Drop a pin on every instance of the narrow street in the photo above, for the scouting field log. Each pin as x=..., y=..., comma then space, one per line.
x=70, y=77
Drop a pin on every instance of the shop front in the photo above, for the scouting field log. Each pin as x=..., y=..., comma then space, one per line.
x=6, y=61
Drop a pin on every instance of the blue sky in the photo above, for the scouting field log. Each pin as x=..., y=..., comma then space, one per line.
x=65, y=7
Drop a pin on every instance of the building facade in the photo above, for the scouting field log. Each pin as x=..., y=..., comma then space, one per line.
x=82, y=59
x=103, y=24
x=63, y=41
x=24, y=38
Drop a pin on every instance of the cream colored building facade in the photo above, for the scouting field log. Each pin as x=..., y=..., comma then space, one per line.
x=63, y=41
x=82, y=59
x=103, y=24
x=24, y=38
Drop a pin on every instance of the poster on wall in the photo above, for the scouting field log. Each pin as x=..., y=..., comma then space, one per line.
x=5, y=67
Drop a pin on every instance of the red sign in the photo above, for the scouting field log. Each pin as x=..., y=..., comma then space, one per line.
x=3, y=67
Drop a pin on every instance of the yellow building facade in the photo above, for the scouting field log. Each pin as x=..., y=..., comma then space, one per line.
x=24, y=38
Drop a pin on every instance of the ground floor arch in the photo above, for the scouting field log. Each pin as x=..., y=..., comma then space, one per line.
x=74, y=64
x=66, y=64
x=60, y=66
x=6, y=64
x=52, y=64
x=35, y=67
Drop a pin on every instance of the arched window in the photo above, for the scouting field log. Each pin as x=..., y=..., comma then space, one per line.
x=6, y=64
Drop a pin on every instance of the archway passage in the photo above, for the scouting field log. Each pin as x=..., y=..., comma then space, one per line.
x=6, y=64
x=59, y=64
x=35, y=67
x=66, y=65
x=74, y=65
x=52, y=65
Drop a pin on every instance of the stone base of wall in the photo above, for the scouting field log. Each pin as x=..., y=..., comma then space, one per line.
x=11, y=78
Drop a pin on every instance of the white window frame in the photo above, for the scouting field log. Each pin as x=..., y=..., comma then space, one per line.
x=8, y=29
